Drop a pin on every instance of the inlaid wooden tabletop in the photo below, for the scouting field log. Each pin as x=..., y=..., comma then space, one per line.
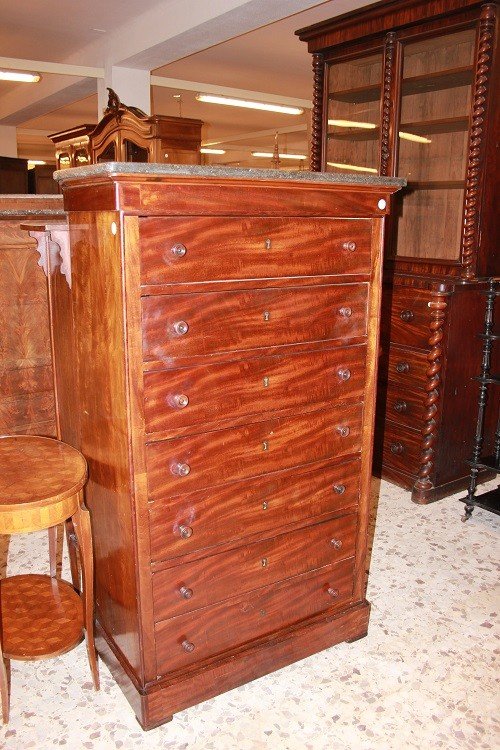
x=38, y=470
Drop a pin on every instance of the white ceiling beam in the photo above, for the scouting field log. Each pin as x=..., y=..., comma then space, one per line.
x=209, y=88
x=63, y=69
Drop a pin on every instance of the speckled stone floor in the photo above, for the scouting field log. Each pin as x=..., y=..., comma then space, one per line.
x=426, y=676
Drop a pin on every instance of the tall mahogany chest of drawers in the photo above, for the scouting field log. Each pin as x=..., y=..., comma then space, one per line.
x=222, y=327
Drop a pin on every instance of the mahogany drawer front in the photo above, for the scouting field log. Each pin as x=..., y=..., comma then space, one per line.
x=193, y=637
x=409, y=318
x=405, y=406
x=178, y=398
x=193, y=249
x=184, y=464
x=402, y=448
x=201, y=324
x=405, y=367
x=208, y=580
x=199, y=520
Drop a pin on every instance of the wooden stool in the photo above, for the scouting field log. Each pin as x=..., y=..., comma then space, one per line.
x=41, y=486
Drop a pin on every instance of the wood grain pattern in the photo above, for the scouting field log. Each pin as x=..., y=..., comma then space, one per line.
x=243, y=320
x=190, y=586
x=233, y=623
x=251, y=386
x=238, y=510
x=250, y=248
x=252, y=450
x=413, y=331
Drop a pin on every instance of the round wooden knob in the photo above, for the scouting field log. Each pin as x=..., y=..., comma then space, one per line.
x=351, y=246
x=179, y=250
x=185, y=531
x=343, y=431
x=406, y=315
x=336, y=543
x=186, y=592
x=400, y=406
x=402, y=367
x=339, y=489
x=179, y=400
x=397, y=448
x=332, y=592
x=188, y=646
x=180, y=469
x=344, y=373
x=181, y=327
x=345, y=312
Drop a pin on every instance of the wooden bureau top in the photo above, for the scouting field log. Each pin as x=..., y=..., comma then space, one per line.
x=193, y=190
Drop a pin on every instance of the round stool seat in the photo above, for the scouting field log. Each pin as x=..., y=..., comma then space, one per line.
x=39, y=482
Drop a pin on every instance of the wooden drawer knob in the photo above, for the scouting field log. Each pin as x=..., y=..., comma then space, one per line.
x=351, y=246
x=179, y=400
x=188, y=646
x=180, y=327
x=403, y=367
x=185, y=531
x=180, y=469
x=400, y=406
x=336, y=543
x=344, y=373
x=343, y=431
x=407, y=316
x=397, y=448
x=179, y=250
x=186, y=592
x=339, y=489
x=345, y=312
x=332, y=592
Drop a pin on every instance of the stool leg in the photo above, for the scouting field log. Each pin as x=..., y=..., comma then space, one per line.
x=53, y=551
x=73, y=554
x=81, y=522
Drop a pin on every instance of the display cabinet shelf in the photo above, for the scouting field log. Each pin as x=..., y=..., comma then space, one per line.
x=435, y=81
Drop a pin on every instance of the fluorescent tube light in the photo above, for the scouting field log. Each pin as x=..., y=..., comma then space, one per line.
x=33, y=163
x=205, y=150
x=15, y=75
x=229, y=101
x=352, y=167
x=352, y=124
x=413, y=137
x=269, y=155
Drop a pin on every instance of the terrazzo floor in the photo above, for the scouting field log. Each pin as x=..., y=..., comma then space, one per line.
x=426, y=676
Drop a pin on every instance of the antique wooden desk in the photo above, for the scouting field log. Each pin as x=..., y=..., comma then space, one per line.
x=221, y=387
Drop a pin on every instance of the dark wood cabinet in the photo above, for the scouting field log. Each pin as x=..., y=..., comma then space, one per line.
x=224, y=358
x=409, y=89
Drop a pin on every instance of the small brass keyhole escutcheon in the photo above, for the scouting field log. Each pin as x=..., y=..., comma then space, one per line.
x=265, y=381
x=265, y=445
x=265, y=505
x=264, y=562
x=267, y=315
x=267, y=244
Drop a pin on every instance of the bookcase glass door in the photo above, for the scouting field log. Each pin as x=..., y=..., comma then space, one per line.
x=353, y=116
x=433, y=144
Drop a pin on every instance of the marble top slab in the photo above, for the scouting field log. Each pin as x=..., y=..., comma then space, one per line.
x=188, y=170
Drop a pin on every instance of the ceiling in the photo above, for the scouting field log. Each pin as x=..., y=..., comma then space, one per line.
x=268, y=58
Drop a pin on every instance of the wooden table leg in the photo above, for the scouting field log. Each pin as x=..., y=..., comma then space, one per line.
x=81, y=522
x=73, y=554
x=53, y=551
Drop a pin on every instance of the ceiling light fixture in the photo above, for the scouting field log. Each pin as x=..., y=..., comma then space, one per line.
x=14, y=75
x=204, y=150
x=229, y=101
x=352, y=124
x=269, y=155
x=34, y=162
x=352, y=167
x=413, y=137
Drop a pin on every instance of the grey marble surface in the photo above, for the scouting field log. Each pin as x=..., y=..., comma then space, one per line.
x=34, y=210
x=187, y=170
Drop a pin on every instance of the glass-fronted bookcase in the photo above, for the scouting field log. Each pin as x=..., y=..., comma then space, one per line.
x=409, y=88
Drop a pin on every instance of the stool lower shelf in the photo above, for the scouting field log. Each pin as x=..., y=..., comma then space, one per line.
x=41, y=617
